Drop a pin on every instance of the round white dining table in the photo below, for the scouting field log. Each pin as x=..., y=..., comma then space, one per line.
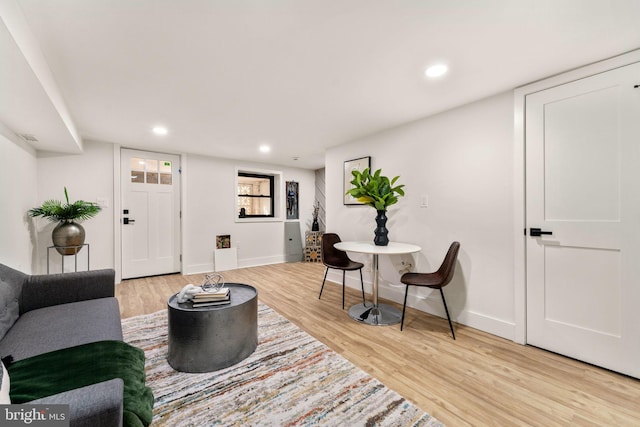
x=375, y=313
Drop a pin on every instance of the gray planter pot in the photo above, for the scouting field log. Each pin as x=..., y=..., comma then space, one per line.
x=68, y=233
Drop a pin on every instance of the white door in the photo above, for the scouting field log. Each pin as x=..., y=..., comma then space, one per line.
x=150, y=216
x=583, y=186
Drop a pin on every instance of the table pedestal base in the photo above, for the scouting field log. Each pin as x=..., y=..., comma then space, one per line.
x=381, y=316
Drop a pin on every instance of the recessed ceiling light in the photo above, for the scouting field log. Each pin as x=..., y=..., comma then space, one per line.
x=436, y=70
x=265, y=148
x=159, y=130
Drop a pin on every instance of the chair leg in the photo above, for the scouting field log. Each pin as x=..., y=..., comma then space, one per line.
x=364, y=302
x=447, y=311
x=325, y=278
x=343, y=274
x=404, y=305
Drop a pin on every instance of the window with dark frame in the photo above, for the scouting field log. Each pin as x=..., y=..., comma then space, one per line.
x=255, y=195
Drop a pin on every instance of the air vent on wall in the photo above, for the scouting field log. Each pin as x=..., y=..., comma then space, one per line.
x=28, y=137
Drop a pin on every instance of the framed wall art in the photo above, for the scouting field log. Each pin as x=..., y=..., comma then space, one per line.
x=359, y=164
x=223, y=241
x=292, y=200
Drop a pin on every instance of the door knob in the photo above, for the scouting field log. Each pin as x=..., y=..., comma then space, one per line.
x=128, y=221
x=536, y=232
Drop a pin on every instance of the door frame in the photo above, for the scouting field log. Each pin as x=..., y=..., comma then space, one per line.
x=519, y=163
x=117, y=206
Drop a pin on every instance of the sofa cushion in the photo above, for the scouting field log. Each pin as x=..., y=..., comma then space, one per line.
x=95, y=405
x=60, y=326
x=9, y=308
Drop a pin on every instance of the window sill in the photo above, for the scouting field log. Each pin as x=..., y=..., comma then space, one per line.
x=258, y=219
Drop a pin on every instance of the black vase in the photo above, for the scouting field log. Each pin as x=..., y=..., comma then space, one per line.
x=381, y=231
x=315, y=226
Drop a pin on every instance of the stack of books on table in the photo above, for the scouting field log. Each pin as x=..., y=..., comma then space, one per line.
x=206, y=299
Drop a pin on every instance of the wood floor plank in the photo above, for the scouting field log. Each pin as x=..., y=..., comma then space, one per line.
x=477, y=380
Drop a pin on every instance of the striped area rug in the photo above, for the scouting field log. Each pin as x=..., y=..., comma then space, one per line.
x=290, y=380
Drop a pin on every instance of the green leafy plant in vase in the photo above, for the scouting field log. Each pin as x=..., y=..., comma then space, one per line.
x=68, y=236
x=377, y=191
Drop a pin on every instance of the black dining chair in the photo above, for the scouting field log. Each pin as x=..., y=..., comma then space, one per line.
x=436, y=280
x=337, y=259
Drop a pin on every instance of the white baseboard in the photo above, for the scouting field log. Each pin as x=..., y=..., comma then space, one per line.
x=255, y=262
x=242, y=263
x=198, y=268
x=432, y=304
x=489, y=324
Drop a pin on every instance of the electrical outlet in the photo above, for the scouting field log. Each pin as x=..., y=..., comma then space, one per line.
x=405, y=267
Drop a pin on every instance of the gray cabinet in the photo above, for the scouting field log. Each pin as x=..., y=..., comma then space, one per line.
x=292, y=242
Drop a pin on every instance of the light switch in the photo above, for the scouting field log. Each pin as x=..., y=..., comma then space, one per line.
x=424, y=201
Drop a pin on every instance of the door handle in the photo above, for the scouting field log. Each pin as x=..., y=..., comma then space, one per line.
x=536, y=232
x=128, y=221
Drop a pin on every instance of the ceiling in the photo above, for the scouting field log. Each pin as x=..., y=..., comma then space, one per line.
x=225, y=76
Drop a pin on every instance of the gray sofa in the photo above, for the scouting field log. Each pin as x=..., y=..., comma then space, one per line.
x=43, y=313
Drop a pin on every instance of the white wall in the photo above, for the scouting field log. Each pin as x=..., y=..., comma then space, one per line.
x=209, y=208
x=18, y=194
x=209, y=184
x=462, y=160
x=89, y=177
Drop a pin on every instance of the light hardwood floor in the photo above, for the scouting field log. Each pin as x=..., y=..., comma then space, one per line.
x=478, y=379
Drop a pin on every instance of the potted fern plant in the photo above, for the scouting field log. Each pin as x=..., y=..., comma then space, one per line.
x=68, y=236
x=377, y=191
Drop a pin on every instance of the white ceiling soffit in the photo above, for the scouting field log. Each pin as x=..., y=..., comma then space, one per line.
x=31, y=105
x=226, y=76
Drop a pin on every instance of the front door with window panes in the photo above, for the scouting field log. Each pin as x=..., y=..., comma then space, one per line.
x=150, y=216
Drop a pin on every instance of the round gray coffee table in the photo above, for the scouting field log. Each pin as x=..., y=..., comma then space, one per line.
x=206, y=339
